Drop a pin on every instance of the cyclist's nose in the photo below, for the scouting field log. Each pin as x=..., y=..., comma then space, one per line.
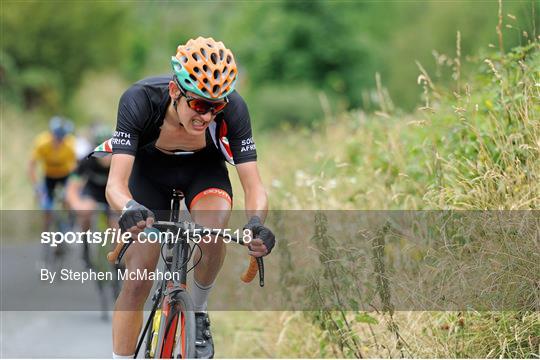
x=207, y=117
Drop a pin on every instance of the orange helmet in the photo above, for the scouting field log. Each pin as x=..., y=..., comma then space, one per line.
x=205, y=67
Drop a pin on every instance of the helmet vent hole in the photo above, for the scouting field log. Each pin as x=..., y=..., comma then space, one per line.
x=221, y=55
x=205, y=68
x=196, y=69
x=192, y=77
x=216, y=74
x=231, y=73
x=215, y=88
x=187, y=82
x=195, y=56
x=184, y=59
x=203, y=52
x=205, y=80
x=229, y=59
x=213, y=58
x=209, y=45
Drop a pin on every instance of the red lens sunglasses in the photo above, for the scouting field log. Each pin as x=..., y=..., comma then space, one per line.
x=202, y=106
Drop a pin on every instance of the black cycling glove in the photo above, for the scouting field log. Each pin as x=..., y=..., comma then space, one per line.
x=132, y=214
x=262, y=232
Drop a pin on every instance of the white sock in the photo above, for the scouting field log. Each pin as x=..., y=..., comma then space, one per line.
x=114, y=356
x=199, y=294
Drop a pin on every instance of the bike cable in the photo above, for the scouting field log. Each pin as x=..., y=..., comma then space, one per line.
x=163, y=257
x=198, y=260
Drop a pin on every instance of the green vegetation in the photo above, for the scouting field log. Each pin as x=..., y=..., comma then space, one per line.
x=285, y=49
x=473, y=143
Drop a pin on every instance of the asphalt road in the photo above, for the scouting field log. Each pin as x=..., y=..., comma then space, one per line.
x=35, y=332
x=55, y=334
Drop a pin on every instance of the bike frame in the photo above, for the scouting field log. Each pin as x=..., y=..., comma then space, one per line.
x=176, y=260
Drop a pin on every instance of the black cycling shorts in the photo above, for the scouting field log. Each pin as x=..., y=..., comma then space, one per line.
x=97, y=193
x=51, y=183
x=155, y=174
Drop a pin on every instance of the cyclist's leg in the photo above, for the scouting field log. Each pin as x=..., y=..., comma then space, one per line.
x=88, y=206
x=211, y=208
x=62, y=183
x=47, y=202
x=128, y=314
x=209, y=199
x=46, y=191
x=210, y=202
x=91, y=202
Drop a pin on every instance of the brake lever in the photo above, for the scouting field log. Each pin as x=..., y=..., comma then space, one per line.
x=260, y=264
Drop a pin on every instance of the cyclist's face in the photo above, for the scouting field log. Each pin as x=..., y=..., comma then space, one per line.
x=193, y=122
x=58, y=139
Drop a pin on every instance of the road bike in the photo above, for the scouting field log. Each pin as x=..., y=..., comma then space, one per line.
x=170, y=329
x=95, y=258
x=54, y=258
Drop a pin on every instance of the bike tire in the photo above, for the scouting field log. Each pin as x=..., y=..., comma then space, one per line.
x=179, y=338
x=185, y=332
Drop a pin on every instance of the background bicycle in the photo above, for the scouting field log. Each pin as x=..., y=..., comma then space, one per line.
x=95, y=257
x=62, y=221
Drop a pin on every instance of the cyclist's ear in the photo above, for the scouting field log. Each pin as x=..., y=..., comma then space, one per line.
x=174, y=92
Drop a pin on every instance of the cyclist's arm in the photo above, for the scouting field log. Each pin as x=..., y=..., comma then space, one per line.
x=117, y=191
x=32, y=164
x=256, y=200
x=32, y=171
x=256, y=205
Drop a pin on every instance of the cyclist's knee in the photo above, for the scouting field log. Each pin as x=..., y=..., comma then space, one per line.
x=141, y=264
x=137, y=289
x=85, y=219
x=211, y=211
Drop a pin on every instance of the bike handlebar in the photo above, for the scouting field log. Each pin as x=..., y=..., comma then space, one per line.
x=256, y=264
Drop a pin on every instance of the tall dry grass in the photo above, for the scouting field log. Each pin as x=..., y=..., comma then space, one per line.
x=473, y=146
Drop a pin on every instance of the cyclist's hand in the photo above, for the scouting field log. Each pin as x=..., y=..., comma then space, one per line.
x=38, y=190
x=135, y=217
x=39, y=194
x=263, y=239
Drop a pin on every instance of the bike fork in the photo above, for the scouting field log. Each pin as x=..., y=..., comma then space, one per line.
x=156, y=298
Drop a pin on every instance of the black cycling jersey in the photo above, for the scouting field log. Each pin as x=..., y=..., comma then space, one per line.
x=95, y=176
x=142, y=109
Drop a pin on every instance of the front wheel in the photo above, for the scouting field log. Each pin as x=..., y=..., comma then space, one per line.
x=177, y=330
x=184, y=338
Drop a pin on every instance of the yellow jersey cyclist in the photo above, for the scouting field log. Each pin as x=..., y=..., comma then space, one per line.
x=177, y=132
x=55, y=151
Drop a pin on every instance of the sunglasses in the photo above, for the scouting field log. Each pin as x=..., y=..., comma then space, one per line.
x=202, y=106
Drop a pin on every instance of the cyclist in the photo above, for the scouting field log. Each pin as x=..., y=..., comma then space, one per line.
x=176, y=133
x=55, y=150
x=85, y=191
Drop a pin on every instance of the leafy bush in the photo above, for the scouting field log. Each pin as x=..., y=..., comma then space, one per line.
x=272, y=107
x=51, y=44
